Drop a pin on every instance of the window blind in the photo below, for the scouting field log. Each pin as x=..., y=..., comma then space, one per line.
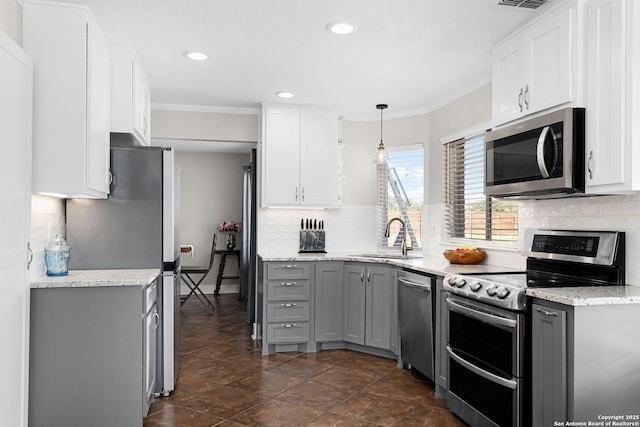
x=469, y=213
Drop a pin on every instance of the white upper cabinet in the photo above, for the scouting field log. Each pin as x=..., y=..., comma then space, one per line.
x=130, y=95
x=71, y=100
x=613, y=80
x=538, y=67
x=300, y=156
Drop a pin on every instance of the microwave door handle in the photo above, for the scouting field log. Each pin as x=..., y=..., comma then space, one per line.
x=540, y=152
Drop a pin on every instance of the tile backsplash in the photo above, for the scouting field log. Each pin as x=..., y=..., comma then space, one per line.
x=348, y=229
x=47, y=220
x=609, y=213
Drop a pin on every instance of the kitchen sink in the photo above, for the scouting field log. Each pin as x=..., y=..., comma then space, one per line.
x=388, y=256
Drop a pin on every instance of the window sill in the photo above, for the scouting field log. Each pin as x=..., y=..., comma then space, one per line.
x=484, y=244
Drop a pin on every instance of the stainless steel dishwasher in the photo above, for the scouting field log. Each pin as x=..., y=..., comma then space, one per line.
x=415, y=313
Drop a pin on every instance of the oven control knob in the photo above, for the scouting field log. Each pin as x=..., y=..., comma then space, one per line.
x=476, y=286
x=503, y=293
x=491, y=291
x=460, y=282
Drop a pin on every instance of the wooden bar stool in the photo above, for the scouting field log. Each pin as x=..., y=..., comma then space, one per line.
x=223, y=259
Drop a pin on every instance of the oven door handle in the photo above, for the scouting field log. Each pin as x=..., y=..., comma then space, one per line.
x=484, y=374
x=485, y=317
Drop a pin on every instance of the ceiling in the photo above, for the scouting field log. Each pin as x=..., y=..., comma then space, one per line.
x=413, y=55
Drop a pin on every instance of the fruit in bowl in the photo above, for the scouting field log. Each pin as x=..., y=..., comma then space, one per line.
x=465, y=255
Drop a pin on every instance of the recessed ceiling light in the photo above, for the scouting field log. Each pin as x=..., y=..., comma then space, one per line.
x=195, y=55
x=341, y=27
x=285, y=94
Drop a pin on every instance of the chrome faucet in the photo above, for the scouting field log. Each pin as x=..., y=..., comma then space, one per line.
x=405, y=246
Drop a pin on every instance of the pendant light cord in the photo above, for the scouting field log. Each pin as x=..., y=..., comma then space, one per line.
x=381, y=107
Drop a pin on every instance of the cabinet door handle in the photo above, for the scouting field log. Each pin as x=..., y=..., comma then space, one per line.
x=296, y=194
x=362, y=276
x=29, y=255
x=156, y=316
x=589, y=164
x=368, y=277
x=526, y=96
x=520, y=99
x=288, y=283
x=302, y=194
x=547, y=313
x=288, y=305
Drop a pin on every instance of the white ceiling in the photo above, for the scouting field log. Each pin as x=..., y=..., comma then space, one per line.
x=414, y=55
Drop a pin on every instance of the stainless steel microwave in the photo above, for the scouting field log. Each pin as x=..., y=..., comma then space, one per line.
x=542, y=157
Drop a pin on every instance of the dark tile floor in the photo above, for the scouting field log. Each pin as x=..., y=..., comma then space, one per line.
x=225, y=381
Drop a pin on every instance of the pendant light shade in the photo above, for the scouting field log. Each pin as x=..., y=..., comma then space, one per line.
x=380, y=156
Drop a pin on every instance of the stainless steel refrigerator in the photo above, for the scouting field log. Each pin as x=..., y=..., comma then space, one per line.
x=248, y=248
x=136, y=227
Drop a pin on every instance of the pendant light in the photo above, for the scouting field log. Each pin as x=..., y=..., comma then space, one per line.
x=380, y=157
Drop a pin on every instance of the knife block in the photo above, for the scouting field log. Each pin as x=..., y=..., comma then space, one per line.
x=312, y=241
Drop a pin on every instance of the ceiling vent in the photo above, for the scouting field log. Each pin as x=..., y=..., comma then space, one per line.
x=521, y=4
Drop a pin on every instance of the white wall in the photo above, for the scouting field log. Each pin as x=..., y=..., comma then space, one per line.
x=210, y=191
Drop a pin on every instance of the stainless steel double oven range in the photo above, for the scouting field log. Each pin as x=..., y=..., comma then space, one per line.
x=489, y=345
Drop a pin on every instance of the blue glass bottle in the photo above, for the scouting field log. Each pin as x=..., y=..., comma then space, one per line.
x=56, y=256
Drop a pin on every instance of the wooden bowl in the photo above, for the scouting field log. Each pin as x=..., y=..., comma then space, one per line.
x=464, y=257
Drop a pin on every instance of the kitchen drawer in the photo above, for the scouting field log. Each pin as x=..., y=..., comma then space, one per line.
x=288, y=312
x=150, y=296
x=298, y=290
x=288, y=270
x=287, y=332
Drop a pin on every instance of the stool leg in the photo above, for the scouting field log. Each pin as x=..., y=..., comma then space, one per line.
x=194, y=290
x=223, y=260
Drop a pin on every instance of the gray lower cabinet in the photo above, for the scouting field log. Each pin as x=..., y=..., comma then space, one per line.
x=368, y=303
x=329, y=295
x=150, y=350
x=286, y=289
x=441, y=332
x=310, y=306
x=92, y=355
x=549, y=364
x=585, y=362
x=354, y=303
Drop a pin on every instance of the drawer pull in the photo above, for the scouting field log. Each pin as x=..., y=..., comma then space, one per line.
x=289, y=266
x=547, y=313
x=288, y=283
x=288, y=305
x=288, y=325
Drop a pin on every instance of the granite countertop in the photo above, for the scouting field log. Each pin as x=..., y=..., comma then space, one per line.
x=97, y=278
x=425, y=264
x=588, y=295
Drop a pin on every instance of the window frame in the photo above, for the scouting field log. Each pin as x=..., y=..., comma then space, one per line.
x=382, y=189
x=454, y=233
